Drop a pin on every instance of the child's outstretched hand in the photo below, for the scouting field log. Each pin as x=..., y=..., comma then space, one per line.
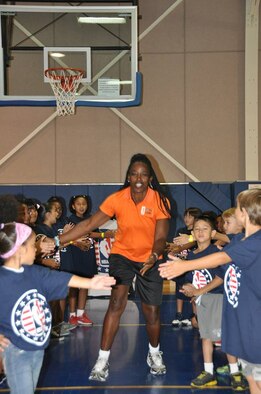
x=68, y=227
x=181, y=239
x=4, y=343
x=173, y=267
x=189, y=290
x=101, y=282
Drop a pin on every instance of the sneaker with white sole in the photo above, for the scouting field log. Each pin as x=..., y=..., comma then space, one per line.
x=177, y=321
x=84, y=320
x=100, y=371
x=68, y=326
x=156, y=364
x=186, y=323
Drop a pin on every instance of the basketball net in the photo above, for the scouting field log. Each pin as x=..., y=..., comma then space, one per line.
x=64, y=82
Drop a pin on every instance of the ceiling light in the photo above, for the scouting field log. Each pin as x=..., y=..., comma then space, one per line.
x=57, y=54
x=101, y=20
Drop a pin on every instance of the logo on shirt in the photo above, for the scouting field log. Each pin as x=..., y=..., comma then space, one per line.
x=232, y=284
x=201, y=278
x=31, y=318
x=146, y=211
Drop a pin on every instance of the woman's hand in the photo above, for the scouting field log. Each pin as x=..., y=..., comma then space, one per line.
x=110, y=233
x=149, y=263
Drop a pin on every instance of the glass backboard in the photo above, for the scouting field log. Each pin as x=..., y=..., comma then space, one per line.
x=102, y=41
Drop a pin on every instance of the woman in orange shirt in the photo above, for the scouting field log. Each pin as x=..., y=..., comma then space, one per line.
x=142, y=212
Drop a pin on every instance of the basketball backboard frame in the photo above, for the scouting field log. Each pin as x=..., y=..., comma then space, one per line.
x=95, y=98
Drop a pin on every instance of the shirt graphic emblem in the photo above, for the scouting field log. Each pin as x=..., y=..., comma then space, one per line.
x=31, y=318
x=201, y=278
x=232, y=284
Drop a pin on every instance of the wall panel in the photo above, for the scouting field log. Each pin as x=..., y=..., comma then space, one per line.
x=193, y=107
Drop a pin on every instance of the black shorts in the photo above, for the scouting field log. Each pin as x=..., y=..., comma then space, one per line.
x=149, y=286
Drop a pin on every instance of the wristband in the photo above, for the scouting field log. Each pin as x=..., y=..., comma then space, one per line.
x=102, y=235
x=190, y=238
x=57, y=241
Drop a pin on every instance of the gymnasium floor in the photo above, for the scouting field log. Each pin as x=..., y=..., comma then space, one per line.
x=68, y=363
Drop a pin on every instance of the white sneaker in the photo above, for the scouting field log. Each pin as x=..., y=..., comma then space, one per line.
x=177, y=321
x=100, y=371
x=186, y=323
x=155, y=362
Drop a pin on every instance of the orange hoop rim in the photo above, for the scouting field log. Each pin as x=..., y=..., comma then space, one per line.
x=79, y=73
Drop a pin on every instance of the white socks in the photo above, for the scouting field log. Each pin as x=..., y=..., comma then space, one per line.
x=154, y=349
x=104, y=354
x=233, y=368
x=80, y=312
x=209, y=367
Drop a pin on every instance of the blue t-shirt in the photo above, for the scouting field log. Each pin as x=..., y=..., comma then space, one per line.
x=25, y=316
x=241, y=322
x=200, y=278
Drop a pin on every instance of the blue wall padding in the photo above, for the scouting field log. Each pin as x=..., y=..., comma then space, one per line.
x=204, y=195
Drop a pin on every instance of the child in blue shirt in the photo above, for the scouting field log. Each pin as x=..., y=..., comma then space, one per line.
x=206, y=288
x=25, y=315
x=241, y=318
x=238, y=382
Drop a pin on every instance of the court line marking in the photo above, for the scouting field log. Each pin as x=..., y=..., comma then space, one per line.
x=79, y=388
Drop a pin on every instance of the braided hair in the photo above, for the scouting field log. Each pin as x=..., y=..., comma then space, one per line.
x=154, y=184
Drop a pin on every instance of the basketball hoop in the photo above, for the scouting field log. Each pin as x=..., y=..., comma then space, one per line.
x=64, y=82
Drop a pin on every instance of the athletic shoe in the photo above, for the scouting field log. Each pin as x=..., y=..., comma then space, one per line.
x=224, y=370
x=238, y=382
x=64, y=330
x=84, y=320
x=178, y=319
x=217, y=343
x=73, y=320
x=186, y=323
x=100, y=371
x=155, y=362
x=2, y=378
x=204, y=379
x=68, y=326
x=56, y=334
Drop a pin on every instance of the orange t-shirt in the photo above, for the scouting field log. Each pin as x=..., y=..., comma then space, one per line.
x=136, y=223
